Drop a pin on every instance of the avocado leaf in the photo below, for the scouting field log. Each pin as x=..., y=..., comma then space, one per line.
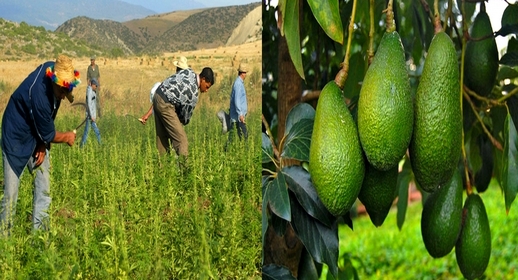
x=320, y=241
x=276, y=272
x=299, y=182
x=327, y=14
x=509, y=175
x=277, y=194
x=267, y=149
x=291, y=30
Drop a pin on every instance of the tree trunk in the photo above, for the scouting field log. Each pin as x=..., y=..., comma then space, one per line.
x=290, y=87
x=285, y=250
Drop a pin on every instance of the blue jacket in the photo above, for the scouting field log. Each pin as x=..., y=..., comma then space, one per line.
x=238, y=105
x=29, y=118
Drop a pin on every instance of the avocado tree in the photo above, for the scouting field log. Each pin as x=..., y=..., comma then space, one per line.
x=330, y=64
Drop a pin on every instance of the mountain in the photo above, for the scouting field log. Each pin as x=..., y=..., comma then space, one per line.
x=51, y=14
x=184, y=30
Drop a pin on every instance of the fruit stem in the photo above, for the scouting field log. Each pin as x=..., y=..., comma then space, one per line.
x=492, y=102
x=341, y=77
x=488, y=133
x=511, y=93
x=389, y=20
x=437, y=18
x=448, y=15
x=370, y=52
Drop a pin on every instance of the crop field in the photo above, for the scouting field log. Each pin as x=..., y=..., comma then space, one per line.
x=121, y=211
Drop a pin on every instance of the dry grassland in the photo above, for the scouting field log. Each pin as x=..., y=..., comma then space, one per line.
x=125, y=83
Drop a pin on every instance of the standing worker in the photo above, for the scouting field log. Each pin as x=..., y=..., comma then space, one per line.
x=238, y=105
x=93, y=73
x=91, y=112
x=173, y=105
x=27, y=131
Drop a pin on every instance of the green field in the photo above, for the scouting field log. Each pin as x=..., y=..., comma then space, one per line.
x=387, y=253
x=119, y=211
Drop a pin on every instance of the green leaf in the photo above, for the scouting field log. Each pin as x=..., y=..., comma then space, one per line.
x=403, y=179
x=512, y=45
x=506, y=73
x=320, y=240
x=297, y=113
x=292, y=34
x=508, y=29
x=510, y=59
x=267, y=149
x=308, y=268
x=327, y=14
x=278, y=198
x=509, y=163
x=276, y=272
x=296, y=145
x=299, y=182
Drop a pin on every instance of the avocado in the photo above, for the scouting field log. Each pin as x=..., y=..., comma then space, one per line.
x=378, y=192
x=473, y=248
x=481, y=57
x=336, y=161
x=385, y=109
x=441, y=218
x=436, y=142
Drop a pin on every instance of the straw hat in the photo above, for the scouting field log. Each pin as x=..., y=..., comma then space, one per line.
x=181, y=62
x=64, y=75
x=243, y=67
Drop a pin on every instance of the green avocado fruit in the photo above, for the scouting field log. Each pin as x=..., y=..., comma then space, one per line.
x=473, y=248
x=385, y=109
x=441, y=218
x=378, y=192
x=481, y=58
x=336, y=162
x=436, y=142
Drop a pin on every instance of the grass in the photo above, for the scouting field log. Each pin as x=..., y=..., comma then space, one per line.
x=387, y=253
x=121, y=211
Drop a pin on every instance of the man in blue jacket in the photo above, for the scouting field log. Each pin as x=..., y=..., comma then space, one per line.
x=27, y=131
x=91, y=112
x=238, y=105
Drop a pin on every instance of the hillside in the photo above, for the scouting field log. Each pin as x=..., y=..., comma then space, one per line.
x=106, y=34
x=207, y=29
x=155, y=25
x=19, y=41
x=176, y=31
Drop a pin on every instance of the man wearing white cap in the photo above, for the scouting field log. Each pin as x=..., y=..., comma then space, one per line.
x=238, y=105
x=27, y=131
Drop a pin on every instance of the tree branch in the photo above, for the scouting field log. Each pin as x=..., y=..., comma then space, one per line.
x=488, y=133
x=341, y=77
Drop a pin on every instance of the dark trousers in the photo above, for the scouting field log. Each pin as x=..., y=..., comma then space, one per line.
x=241, y=132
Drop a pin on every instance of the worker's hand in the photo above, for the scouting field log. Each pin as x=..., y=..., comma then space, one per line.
x=143, y=120
x=242, y=119
x=39, y=154
x=70, y=137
